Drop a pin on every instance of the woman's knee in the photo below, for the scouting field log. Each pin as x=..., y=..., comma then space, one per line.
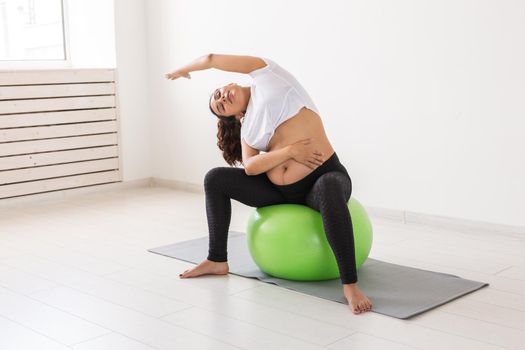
x=333, y=183
x=214, y=176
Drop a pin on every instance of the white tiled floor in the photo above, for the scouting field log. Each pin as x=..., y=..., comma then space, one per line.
x=76, y=274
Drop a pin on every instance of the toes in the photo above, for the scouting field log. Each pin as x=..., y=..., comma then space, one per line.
x=362, y=307
x=184, y=274
x=365, y=306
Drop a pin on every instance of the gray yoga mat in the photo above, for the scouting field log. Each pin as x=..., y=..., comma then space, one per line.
x=395, y=290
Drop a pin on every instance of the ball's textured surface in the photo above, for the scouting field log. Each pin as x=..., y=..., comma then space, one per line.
x=288, y=241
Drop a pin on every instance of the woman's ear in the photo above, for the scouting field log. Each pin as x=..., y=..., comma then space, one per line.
x=240, y=115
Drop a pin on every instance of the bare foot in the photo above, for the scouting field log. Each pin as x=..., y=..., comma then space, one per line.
x=357, y=301
x=207, y=267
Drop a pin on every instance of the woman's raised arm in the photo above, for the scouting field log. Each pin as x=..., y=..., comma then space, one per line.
x=236, y=63
x=229, y=63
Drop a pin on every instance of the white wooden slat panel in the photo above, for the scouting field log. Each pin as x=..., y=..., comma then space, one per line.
x=48, y=118
x=45, y=172
x=58, y=130
x=55, y=76
x=58, y=90
x=30, y=160
x=62, y=183
x=56, y=104
x=41, y=132
x=26, y=147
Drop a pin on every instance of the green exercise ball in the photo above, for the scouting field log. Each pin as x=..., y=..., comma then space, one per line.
x=288, y=241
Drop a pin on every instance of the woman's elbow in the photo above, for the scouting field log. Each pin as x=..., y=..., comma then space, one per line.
x=250, y=171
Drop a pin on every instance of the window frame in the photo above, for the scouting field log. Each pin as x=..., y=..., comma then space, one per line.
x=46, y=64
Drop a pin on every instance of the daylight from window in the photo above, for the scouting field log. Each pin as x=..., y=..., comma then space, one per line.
x=31, y=30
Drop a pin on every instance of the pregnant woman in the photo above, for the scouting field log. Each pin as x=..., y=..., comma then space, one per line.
x=276, y=116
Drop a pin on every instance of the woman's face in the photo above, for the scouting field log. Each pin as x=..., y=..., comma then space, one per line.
x=228, y=101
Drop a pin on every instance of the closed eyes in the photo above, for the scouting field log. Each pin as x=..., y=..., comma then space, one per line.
x=217, y=96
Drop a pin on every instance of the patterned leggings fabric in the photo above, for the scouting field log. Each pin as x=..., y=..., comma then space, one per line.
x=327, y=189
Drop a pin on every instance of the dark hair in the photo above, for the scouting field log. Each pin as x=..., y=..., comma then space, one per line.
x=229, y=138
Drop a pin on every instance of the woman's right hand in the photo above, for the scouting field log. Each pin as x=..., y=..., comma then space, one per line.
x=177, y=74
x=303, y=152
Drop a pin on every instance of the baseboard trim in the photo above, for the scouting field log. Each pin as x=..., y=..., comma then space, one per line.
x=177, y=185
x=384, y=213
x=464, y=224
x=73, y=192
x=450, y=223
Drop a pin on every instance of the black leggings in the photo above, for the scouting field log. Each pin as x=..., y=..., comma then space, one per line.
x=327, y=189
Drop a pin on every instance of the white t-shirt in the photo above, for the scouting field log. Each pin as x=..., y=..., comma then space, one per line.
x=276, y=96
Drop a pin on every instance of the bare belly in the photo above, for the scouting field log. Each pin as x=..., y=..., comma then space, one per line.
x=305, y=124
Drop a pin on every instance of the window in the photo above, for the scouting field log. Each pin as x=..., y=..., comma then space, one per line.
x=32, y=30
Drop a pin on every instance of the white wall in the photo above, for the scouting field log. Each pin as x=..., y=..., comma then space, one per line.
x=133, y=89
x=91, y=28
x=422, y=100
